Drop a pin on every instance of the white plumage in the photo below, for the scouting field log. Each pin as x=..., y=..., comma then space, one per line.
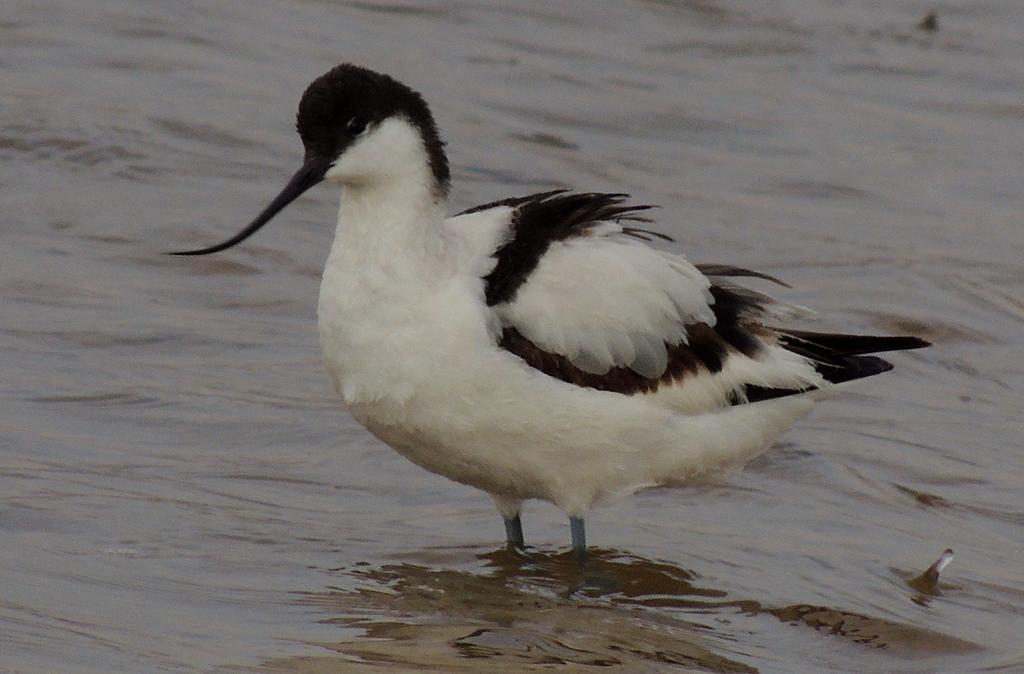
x=412, y=348
x=536, y=348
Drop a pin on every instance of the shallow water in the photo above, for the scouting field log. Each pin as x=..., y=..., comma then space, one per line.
x=181, y=491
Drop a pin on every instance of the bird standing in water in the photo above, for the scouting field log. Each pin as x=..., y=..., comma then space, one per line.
x=536, y=347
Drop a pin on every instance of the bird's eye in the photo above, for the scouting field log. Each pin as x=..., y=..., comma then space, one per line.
x=356, y=126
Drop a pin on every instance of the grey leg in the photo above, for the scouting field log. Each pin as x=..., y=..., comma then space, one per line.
x=509, y=510
x=514, y=531
x=579, y=538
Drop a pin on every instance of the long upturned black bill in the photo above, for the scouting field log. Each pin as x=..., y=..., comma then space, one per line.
x=311, y=173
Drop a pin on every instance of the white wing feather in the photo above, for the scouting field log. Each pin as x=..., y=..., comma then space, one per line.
x=607, y=300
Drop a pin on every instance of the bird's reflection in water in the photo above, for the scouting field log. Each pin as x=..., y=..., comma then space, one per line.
x=513, y=609
x=610, y=575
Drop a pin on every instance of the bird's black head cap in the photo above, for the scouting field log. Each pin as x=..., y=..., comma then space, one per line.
x=340, y=104
x=335, y=110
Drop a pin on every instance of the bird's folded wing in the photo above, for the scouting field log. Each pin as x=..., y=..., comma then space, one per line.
x=580, y=296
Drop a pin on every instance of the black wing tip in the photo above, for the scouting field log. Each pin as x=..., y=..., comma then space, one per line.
x=853, y=367
x=731, y=271
x=840, y=358
x=841, y=370
x=871, y=365
x=849, y=345
x=912, y=342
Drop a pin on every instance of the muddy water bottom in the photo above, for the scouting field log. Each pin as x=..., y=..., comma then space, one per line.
x=526, y=610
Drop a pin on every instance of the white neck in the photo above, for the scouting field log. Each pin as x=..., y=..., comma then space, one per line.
x=389, y=253
x=391, y=214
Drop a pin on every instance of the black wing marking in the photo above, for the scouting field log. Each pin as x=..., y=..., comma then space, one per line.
x=512, y=202
x=542, y=219
x=812, y=344
x=728, y=270
x=836, y=357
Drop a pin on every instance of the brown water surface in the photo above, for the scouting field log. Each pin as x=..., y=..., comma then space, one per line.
x=180, y=490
